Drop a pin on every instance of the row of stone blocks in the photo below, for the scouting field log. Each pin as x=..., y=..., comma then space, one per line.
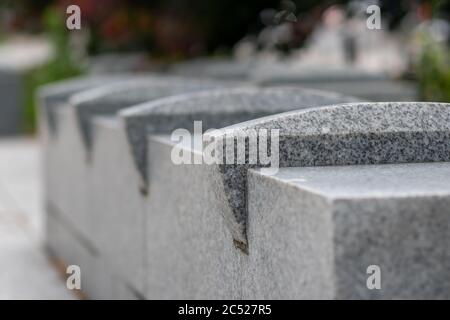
x=359, y=184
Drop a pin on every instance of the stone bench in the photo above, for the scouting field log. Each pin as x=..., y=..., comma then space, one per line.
x=84, y=193
x=352, y=177
x=68, y=128
x=312, y=231
x=66, y=109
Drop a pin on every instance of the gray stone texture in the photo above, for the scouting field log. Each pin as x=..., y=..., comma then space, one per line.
x=216, y=109
x=358, y=133
x=343, y=199
x=66, y=146
x=190, y=253
x=373, y=87
x=313, y=232
x=114, y=97
x=116, y=208
x=222, y=69
x=53, y=96
x=69, y=247
x=81, y=194
x=111, y=197
x=349, y=81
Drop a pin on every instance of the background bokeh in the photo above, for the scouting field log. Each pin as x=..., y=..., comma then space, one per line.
x=168, y=31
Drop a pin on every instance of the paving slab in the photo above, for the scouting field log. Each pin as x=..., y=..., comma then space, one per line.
x=25, y=270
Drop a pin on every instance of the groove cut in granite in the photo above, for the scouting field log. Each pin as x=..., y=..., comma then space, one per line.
x=345, y=134
x=52, y=96
x=216, y=109
x=109, y=99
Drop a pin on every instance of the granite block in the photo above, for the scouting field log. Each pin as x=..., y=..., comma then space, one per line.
x=222, y=69
x=367, y=85
x=110, y=198
x=356, y=133
x=190, y=254
x=67, y=185
x=58, y=150
x=66, y=244
x=116, y=208
x=307, y=231
x=67, y=174
x=99, y=278
x=92, y=193
x=313, y=232
x=51, y=96
x=98, y=201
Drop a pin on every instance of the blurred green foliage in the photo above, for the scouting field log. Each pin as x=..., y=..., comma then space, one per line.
x=60, y=67
x=433, y=72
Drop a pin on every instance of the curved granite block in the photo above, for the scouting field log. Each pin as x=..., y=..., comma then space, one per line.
x=279, y=74
x=222, y=69
x=352, y=81
x=51, y=96
x=346, y=134
x=216, y=109
x=111, y=98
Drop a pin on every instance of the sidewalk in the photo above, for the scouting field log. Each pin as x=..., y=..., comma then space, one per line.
x=25, y=270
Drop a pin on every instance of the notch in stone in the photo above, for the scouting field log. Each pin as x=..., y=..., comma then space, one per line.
x=51, y=96
x=345, y=134
x=109, y=99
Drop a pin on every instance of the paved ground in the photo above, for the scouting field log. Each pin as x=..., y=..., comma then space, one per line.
x=25, y=271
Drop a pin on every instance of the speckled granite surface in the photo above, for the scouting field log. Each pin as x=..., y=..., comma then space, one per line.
x=216, y=109
x=357, y=133
x=111, y=98
x=53, y=95
x=314, y=231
